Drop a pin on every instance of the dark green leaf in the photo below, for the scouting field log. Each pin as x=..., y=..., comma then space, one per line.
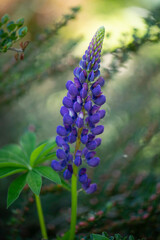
x=131, y=237
x=3, y=34
x=28, y=143
x=20, y=22
x=34, y=181
x=12, y=155
x=4, y=19
x=15, y=189
x=49, y=173
x=22, y=31
x=117, y=236
x=6, y=171
x=11, y=26
x=8, y=45
x=49, y=156
x=13, y=36
x=38, y=154
x=99, y=237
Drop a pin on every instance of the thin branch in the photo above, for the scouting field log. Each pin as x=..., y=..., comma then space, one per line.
x=16, y=49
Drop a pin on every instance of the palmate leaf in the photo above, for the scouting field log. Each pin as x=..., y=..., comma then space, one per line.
x=28, y=144
x=15, y=189
x=6, y=171
x=34, y=181
x=12, y=155
x=38, y=155
x=48, y=173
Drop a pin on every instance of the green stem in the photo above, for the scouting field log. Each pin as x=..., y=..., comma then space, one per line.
x=41, y=217
x=74, y=190
x=73, y=203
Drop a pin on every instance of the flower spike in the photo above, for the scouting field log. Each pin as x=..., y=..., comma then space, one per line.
x=81, y=114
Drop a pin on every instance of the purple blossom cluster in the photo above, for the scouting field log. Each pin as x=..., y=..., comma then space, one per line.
x=81, y=115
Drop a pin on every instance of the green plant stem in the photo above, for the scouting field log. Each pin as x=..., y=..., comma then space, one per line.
x=74, y=197
x=41, y=218
x=73, y=204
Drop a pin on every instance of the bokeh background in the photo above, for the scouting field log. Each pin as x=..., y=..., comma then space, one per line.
x=31, y=93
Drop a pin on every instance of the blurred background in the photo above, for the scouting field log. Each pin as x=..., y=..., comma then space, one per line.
x=31, y=92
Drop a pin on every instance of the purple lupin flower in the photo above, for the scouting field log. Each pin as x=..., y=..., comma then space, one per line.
x=81, y=116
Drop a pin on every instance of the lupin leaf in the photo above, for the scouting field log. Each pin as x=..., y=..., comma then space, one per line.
x=48, y=173
x=34, y=181
x=6, y=171
x=15, y=189
x=28, y=143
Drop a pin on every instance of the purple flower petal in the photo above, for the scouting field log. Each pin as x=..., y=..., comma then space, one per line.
x=70, y=157
x=56, y=165
x=97, y=90
x=61, y=131
x=90, y=155
x=79, y=153
x=95, y=118
x=91, y=145
x=77, y=83
x=59, y=141
x=67, y=119
x=96, y=73
x=68, y=84
x=83, y=64
x=83, y=93
x=98, y=141
x=94, y=109
x=67, y=174
x=91, y=76
x=78, y=161
x=84, y=139
x=82, y=77
x=93, y=162
x=102, y=113
x=73, y=90
x=91, y=137
x=83, y=179
x=82, y=171
x=66, y=147
x=84, y=131
x=92, y=188
x=95, y=67
x=88, y=106
x=78, y=71
x=77, y=107
x=100, y=100
x=60, y=154
x=67, y=102
x=64, y=110
x=89, y=65
x=97, y=130
x=84, y=151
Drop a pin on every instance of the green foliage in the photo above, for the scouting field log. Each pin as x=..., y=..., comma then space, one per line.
x=39, y=60
x=47, y=172
x=24, y=159
x=34, y=181
x=15, y=189
x=22, y=32
x=10, y=32
x=42, y=152
x=106, y=236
